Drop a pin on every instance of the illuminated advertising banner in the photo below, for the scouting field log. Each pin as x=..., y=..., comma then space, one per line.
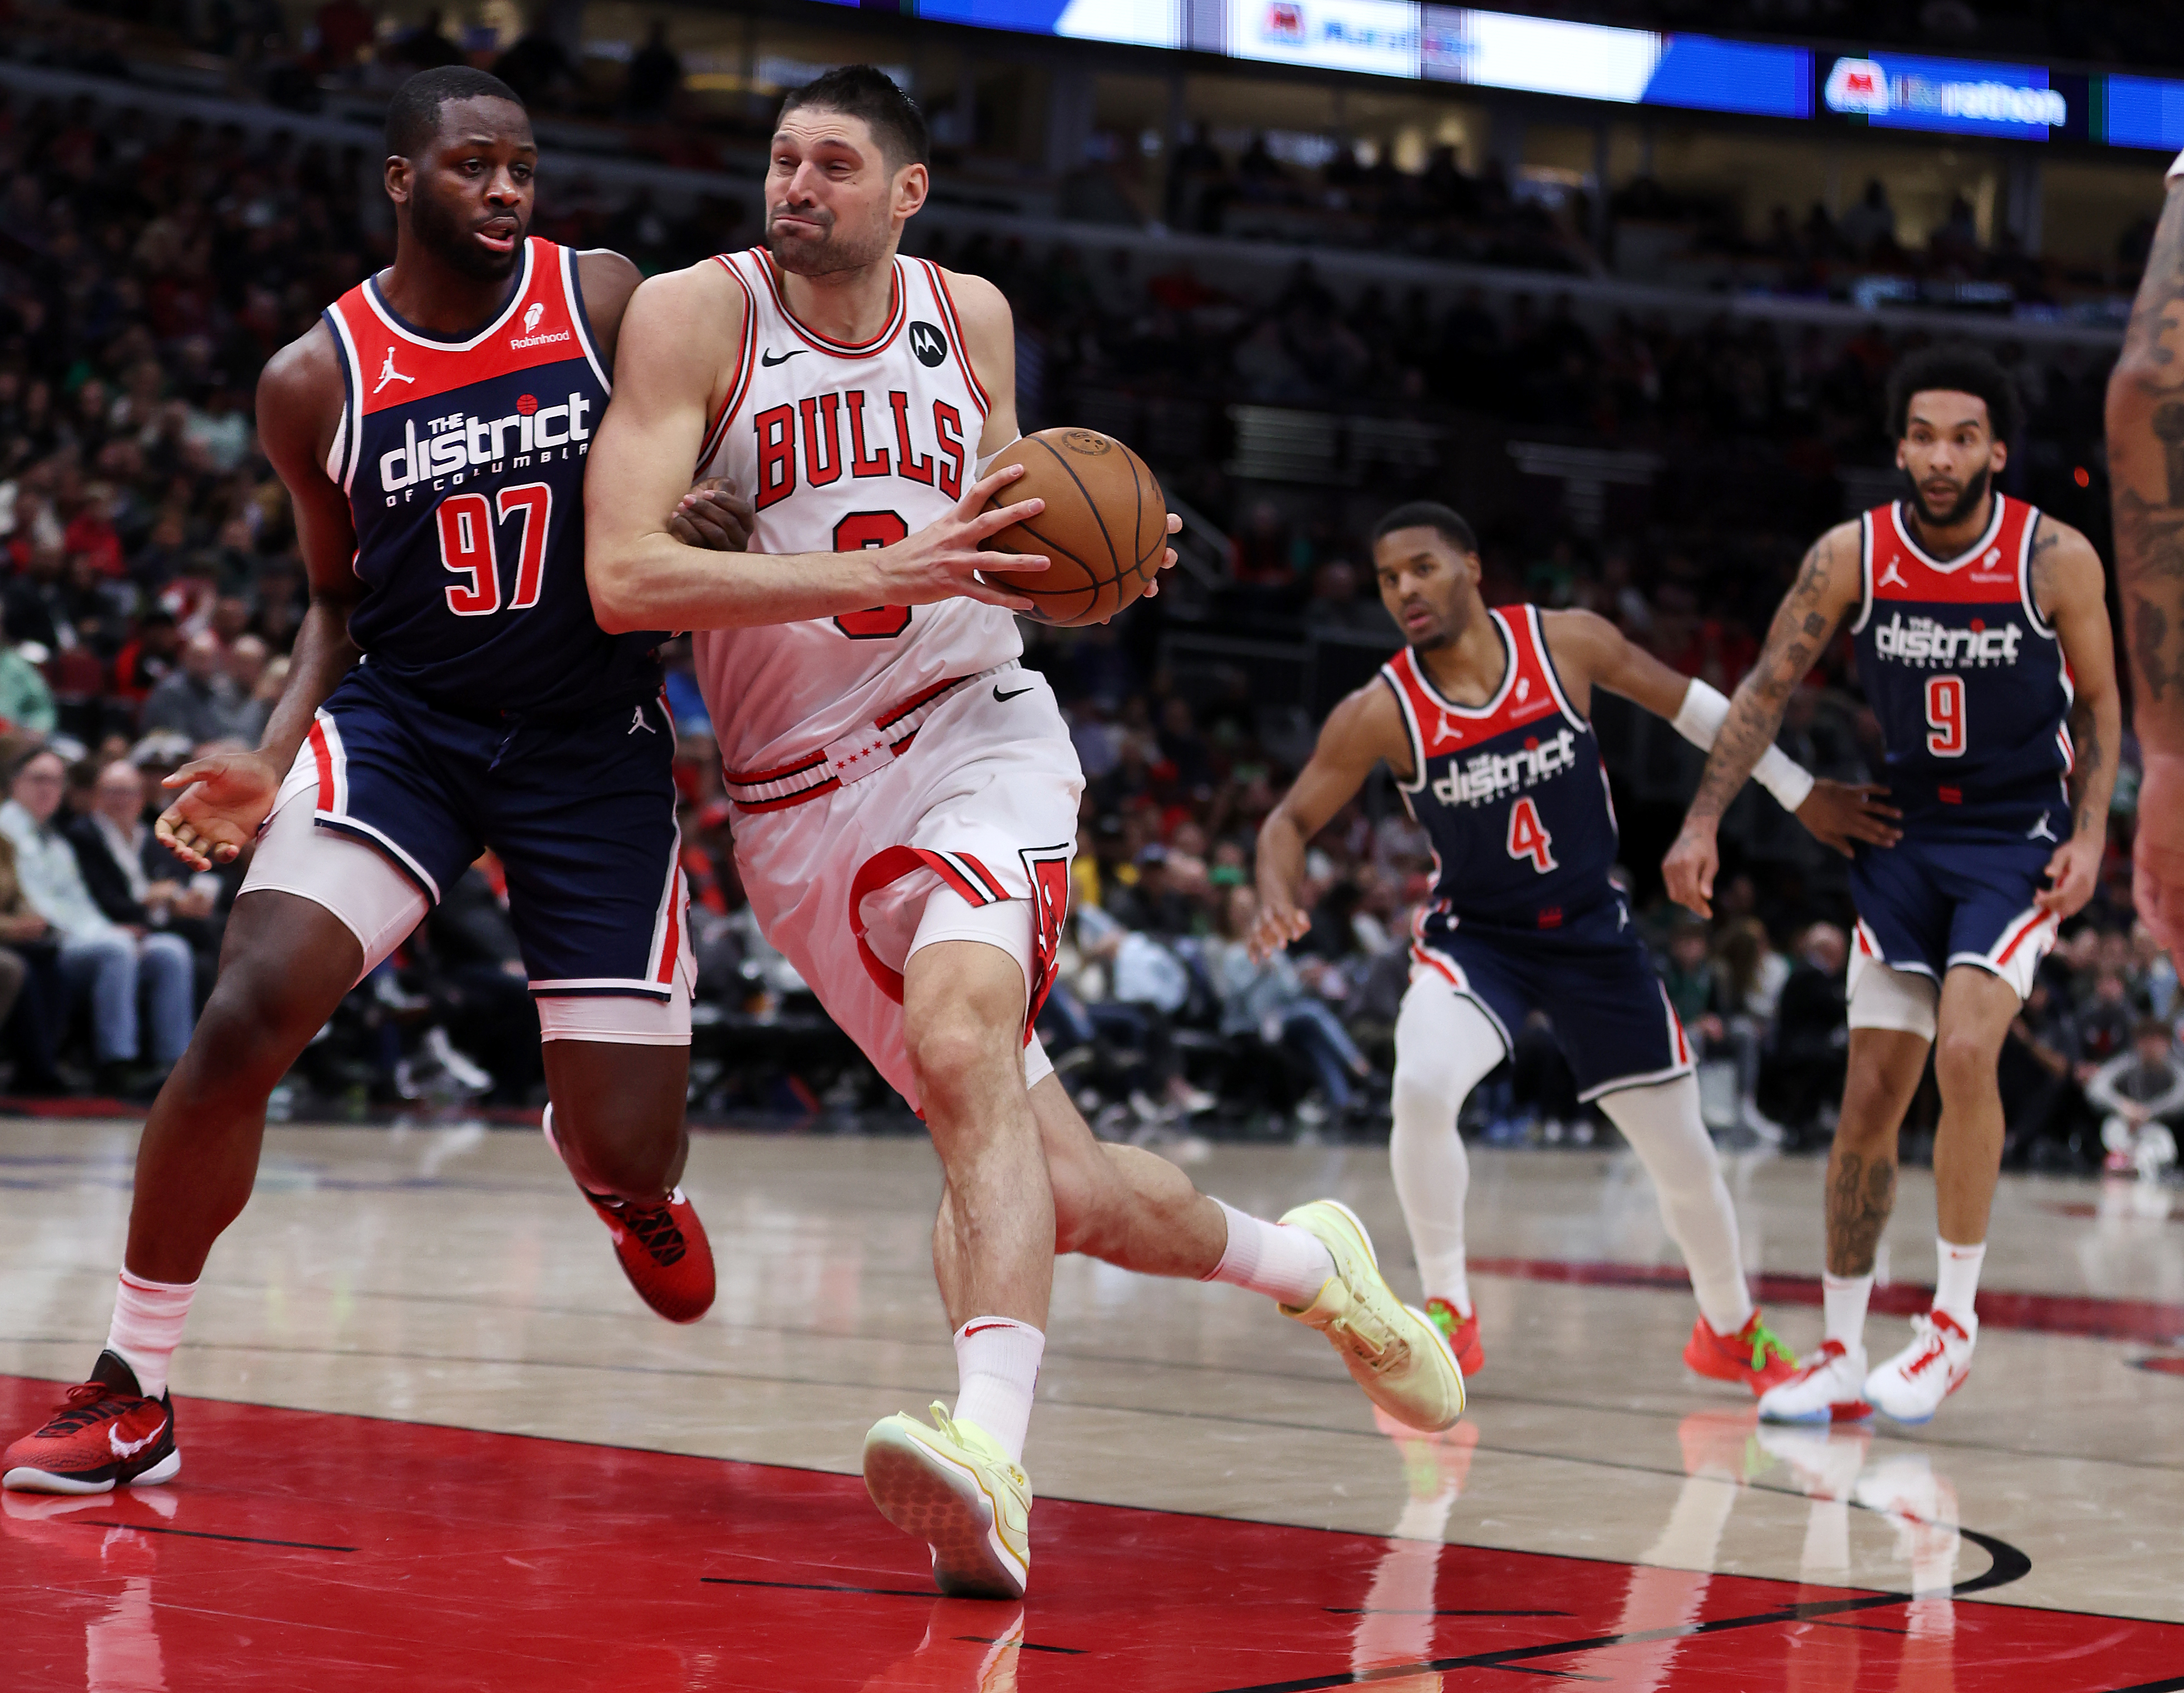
x=1132, y=23
x=1952, y=96
x=1379, y=38
x=1629, y=67
x=2140, y=111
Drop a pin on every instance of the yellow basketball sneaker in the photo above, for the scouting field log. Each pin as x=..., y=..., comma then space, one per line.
x=952, y=1486
x=1395, y=1353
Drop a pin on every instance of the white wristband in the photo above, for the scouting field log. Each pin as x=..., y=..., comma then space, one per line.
x=2175, y=170
x=1699, y=719
x=1783, y=777
x=986, y=464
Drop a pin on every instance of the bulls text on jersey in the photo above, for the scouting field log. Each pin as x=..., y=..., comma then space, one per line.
x=815, y=442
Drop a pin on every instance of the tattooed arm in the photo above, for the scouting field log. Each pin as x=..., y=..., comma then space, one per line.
x=1827, y=585
x=2146, y=472
x=2070, y=588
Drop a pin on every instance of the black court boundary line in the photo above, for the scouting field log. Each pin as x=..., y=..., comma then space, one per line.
x=1025, y=1645
x=1383, y=1611
x=823, y=1587
x=2009, y=1565
x=202, y=1535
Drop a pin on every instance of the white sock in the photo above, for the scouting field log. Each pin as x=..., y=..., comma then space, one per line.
x=1444, y=1046
x=1663, y=1124
x=148, y=1327
x=997, y=1367
x=1843, y=1308
x=1957, y=1281
x=1277, y=1258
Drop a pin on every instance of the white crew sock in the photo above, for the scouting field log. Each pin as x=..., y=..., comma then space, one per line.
x=1957, y=1283
x=1663, y=1124
x=1277, y=1259
x=1843, y=1308
x=1444, y=1046
x=148, y=1327
x=997, y=1367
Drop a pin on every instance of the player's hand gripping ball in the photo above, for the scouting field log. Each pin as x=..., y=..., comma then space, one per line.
x=1104, y=528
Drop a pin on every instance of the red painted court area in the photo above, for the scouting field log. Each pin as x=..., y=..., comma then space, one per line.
x=340, y=1554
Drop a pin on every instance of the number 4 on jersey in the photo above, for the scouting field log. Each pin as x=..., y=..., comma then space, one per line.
x=1529, y=838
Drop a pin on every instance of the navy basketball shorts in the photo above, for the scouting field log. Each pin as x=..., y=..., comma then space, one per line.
x=1591, y=976
x=1932, y=902
x=391, y=799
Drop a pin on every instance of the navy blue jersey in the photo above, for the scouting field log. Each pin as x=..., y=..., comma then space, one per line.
x=464, y=464
x=1967, y=679
x=1511, y=792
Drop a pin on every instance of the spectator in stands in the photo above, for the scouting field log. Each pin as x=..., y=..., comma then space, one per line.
x=1803, y=1077
x=1870, y=224
x=2142, y=1090
x=426, y=47
x=100, y=960
x=134, y=880
x=472, y=969
x=146, y=659
x=536, y=64
x=345, y=29
x=26, y=701
x=30, y=954
x=198, y=699
x=655, y=75
x=2039, y=1079
x=1272, y=1002
x=247, y=660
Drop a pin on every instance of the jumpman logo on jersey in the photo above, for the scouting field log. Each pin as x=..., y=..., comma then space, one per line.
x=1891, y=575
x=387, y=373
x=1449, y=731
x=637, y=721
x=2040, y=831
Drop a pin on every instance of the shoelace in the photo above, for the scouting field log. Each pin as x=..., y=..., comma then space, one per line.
x=87, y=1402
x=1936, y=1347
x=657, y=1232
x=1762, y=1343
x=1380, y=1354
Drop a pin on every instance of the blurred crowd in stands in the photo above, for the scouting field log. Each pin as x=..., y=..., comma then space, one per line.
x=150, y=591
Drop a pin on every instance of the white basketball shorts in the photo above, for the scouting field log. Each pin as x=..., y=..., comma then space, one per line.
x=982, y=806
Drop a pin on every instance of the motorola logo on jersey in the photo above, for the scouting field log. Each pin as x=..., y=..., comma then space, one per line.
x=460, y=443
x=1924, y=642
x=1485, y=777
x=928, y=343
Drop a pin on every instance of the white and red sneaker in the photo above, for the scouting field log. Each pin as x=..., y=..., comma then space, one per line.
x=1830, y=1388
x=1910, y=1387
x=662, y=1248
x=106, y=1435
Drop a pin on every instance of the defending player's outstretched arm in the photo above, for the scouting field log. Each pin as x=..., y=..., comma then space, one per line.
x=2146, y=468
x=1364, y=729
x=2070, y=588
x=1827, y=586
x=1589, y=649
x=681, y=341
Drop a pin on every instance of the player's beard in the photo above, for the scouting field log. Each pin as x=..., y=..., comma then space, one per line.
x=838, y=250
x=444, y=232
x=1967, y=501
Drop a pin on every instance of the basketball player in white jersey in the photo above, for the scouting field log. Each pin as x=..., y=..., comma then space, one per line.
x=906, y=793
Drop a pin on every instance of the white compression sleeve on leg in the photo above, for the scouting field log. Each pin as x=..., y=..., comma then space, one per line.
x=1664, y=1128
x=1445, y=1046
x=1699, y=719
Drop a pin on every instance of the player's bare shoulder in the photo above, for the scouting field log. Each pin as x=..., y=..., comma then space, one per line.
x=1582, y=643
x=2065, y=567
x=300, y=395
x=1366, y=726
x=608, y=280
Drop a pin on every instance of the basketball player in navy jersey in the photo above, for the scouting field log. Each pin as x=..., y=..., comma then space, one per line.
x=450, y=692
x=1483, y=719
x=1982, y=637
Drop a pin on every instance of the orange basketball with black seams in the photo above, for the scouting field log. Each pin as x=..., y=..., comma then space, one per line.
x=1104, y=527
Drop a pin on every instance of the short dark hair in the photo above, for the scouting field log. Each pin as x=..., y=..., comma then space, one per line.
x=866, y=91
x=1955, y=369
x=413, y=115
x=1425, y=513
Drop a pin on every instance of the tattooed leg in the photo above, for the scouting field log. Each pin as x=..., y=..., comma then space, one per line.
x=1885, y=1068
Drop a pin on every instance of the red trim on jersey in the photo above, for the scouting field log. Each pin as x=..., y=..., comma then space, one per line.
x=956, y=329
x=752, y=778
x=898, y=314
x=322, y=755
x=671, y=947
x=984, y=875
x=917, y=700
x=1526, y=693
x=891, y=865
x=789, y=800
x=739, y=383
x=1987, y=573
x=1431, y=961
x=397, y=365
x=2031, y=924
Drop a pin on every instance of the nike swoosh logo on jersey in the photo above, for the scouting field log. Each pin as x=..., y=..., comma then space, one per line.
x=128, y=1449
x=770, y=358
x=1005, y=698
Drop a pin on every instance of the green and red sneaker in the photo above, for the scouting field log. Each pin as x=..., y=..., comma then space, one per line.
x=1752, y=1356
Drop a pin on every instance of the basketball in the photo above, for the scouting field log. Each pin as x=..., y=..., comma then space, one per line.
x=1104, y=528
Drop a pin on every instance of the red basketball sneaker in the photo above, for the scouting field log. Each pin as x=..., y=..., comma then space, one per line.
x=1751, y=1355
x=1461, y=1334
x=662, y=1248
x=106, y=1435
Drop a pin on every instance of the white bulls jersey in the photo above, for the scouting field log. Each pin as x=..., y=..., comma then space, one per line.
x=843, y=447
